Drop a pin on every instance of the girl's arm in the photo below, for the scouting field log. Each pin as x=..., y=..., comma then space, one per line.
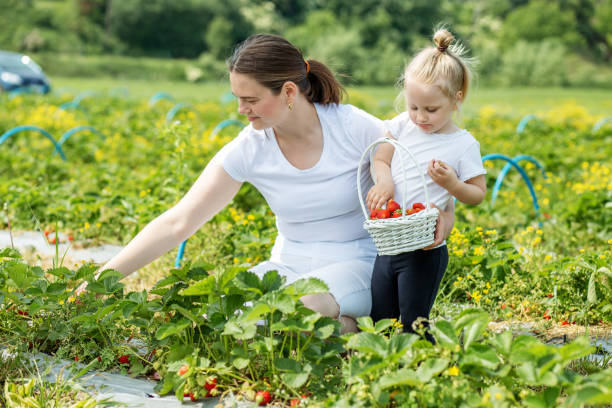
x=212, y=191
x=384, y=188
x=471, y=191
x=445, y=223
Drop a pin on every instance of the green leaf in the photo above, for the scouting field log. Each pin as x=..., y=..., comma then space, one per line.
x=109, y=273
x=287, y=364
x=502, y=342
x=240, y=331
x=480, y=355
x=248, y=281
x=401, y=343
x=279, y=301
x=404, y=376
x=325, y=332
x=527, y=373
x=368, y=343
x=302, y=287
x=255, y=312
x=56, y=288
x=241, y=363
x=169, y=329
x=431, y=367
x=444, y=333
x=271, y=281
x=365, y=324
x=186, y=313
x=294, y=380
x=473, y=321
x=128, y=308
x=10, y=253
x=383, y=325
x=206, y=286
x=18, y=273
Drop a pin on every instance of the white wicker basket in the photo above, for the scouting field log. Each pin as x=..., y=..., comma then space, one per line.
x=402, y=234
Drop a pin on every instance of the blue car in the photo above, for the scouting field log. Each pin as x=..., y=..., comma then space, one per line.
x=18, y=71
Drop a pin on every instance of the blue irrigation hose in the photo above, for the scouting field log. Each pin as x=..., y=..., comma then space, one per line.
x=523, y=123
x=600, y=123
x=223, y=124
x=15, y=130
x=523, y=174
x=180, y=253
x=174, y=110
x=506, y=169
x=74, y=103
x=158, y=96
x=77, y=129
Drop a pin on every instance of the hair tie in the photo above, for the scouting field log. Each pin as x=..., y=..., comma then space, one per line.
x=442, y=49
x=307, y=67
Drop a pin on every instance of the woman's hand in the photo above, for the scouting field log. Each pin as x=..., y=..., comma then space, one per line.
x=444, y=224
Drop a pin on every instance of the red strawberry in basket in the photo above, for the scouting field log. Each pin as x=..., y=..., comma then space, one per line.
x=383, y=213
x=397, y=213
x=392, y=206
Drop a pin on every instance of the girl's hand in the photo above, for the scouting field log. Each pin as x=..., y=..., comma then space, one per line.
x=442, y=174
x=379, y=195
x=444, y=224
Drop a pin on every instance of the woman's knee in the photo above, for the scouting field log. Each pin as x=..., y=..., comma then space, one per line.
x=323, y=303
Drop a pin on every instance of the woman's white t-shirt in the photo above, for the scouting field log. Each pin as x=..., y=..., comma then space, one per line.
x=314, y=205
x=458, y=149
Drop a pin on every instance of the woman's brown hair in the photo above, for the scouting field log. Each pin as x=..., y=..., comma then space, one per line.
x=271, y=60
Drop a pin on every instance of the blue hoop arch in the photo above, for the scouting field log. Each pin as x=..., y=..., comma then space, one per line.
x=18, y=129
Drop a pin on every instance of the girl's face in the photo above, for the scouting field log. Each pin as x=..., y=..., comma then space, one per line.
x=429, y=108
x=263, y=108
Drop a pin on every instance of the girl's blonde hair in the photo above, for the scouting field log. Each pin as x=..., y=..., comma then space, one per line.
x=445, y=65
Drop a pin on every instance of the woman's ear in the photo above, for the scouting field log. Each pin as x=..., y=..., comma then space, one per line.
x=290, y=91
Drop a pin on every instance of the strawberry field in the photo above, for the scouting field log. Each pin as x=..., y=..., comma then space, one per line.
x=521, y=271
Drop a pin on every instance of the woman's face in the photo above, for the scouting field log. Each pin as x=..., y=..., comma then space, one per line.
x=263, y=108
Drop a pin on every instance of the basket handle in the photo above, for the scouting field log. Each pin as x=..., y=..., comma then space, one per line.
x=399, y=148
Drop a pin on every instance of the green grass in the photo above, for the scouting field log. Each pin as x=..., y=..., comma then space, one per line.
x=515, y=101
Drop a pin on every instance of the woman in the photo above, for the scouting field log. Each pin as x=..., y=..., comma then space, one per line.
x=301, y=151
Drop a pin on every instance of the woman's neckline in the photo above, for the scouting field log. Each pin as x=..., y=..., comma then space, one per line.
x=270, y=132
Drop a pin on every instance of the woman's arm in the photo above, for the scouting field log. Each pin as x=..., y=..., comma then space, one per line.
x=445, y=223
x=212, y=191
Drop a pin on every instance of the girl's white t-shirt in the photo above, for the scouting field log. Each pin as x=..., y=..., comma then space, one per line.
x=459, y=150
x=319, y=204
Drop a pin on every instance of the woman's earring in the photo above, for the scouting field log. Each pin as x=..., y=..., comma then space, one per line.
x=290, y=105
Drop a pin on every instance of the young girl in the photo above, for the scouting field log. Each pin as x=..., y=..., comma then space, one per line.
x=435, y=82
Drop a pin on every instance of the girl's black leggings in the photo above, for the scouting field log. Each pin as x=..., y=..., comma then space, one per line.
x=405, y=285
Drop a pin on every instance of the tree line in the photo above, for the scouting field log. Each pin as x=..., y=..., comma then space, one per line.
x=533, y=42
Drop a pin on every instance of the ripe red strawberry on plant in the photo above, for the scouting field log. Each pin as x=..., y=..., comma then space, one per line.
x=183, y=369
x=211, y=383
x=124, y=359
x=263, y=398
x=393, y=205
x=191, y=396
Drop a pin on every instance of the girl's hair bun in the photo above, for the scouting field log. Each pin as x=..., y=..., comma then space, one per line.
x=443, y=39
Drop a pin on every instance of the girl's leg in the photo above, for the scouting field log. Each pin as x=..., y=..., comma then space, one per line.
x=418, y=277
x=384, y=290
